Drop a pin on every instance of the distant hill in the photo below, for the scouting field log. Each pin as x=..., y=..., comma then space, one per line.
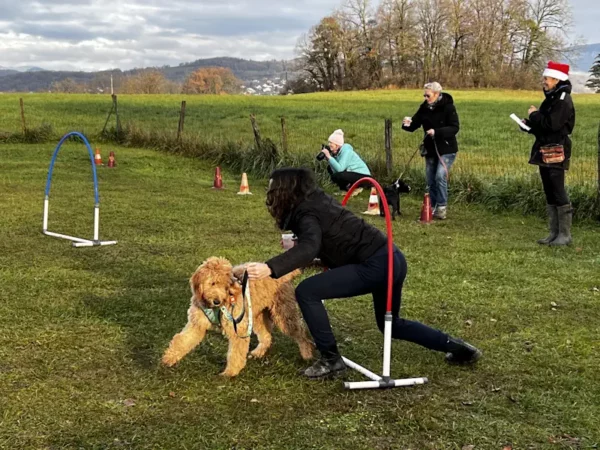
x=586, y=56
x=5, y=72
x=40, y=80
x=245, y=70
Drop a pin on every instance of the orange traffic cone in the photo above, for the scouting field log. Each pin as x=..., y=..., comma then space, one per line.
x=373, y=208
x=426, y=213
x=111, y=160
x=218, y=182
x=98, y=157
x=244, y=187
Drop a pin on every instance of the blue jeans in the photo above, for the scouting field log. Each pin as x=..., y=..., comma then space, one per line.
x=437, y=178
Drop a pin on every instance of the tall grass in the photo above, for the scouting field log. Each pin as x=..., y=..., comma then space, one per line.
x=491, y=166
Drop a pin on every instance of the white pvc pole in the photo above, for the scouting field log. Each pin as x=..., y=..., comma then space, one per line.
x=108, y=242
x=387, y=345
x=377, y=384
x=45, y=220
x=96, y=222
x=93, y=243
x=361, y=369
x=66, y=236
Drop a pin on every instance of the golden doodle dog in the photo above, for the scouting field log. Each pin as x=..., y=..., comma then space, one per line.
x=216, y=284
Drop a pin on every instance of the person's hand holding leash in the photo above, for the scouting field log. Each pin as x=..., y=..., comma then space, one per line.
x=431, y=132
x=258, y=271
x=532, y=109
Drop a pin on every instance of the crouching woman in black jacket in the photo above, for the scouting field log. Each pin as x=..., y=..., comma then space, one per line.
x=356, y=255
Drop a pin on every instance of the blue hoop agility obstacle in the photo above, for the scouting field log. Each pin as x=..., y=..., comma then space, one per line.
x=77, y=242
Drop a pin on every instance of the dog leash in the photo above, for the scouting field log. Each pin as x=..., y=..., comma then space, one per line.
x=245, y=296
x=408, y=164
x=441, y=159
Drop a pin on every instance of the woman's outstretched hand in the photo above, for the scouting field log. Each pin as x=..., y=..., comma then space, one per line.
x=258, y=271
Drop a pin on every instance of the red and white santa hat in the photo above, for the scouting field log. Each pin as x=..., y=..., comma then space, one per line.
x=557, y=70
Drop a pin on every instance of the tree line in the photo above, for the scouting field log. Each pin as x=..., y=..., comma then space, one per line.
x=594, y=80
x=208, y=80
x=460, y=43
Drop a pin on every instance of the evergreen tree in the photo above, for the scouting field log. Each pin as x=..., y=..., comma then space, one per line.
x=594, y=80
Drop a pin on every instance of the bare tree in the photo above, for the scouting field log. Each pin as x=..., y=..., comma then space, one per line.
x=481, y=43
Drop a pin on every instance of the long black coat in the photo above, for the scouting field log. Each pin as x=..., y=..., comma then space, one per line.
x=326, y=230
x=443, y=118
x=553, y=123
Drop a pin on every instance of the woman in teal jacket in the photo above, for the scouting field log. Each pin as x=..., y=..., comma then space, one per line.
x=345, y=166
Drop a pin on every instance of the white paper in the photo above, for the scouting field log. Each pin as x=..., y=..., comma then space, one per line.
x=520, y=122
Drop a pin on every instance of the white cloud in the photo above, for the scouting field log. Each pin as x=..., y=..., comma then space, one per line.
x=103, y=34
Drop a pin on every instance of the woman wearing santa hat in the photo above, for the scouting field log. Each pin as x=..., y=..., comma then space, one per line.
x=552, y=125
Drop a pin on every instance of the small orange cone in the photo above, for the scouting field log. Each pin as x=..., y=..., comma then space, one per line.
x=218, y=182
x=426, y=213
x=98, y=157
x=373, y=208
x=244, y=187
x=111, y=160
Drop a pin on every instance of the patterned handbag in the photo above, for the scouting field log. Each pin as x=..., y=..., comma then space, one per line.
x=552, y=154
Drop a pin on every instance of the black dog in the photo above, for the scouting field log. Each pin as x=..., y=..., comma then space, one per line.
x=392, y=195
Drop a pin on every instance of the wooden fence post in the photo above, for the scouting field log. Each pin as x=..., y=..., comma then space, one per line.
x=112, y=108
x=24, y=126
x=388, y=147
x=284, y=137
x=116, y=107
x=181, y=120
x=256, y=131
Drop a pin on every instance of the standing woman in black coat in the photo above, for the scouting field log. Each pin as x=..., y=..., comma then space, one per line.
x=355, y=253
x=552, y=125
x=438, y=117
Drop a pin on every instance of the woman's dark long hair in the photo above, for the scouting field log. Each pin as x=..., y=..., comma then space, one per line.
x=289, y=187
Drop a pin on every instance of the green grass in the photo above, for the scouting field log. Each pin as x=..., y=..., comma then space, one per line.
x=491, y=146
x=82, y=330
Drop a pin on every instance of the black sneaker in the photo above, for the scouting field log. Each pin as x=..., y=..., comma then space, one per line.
x=325, y=368
x=462, y=352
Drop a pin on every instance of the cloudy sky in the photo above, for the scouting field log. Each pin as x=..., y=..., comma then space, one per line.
x=103, y=34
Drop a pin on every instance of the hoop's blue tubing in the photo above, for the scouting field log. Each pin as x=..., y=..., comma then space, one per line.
x=87, y=144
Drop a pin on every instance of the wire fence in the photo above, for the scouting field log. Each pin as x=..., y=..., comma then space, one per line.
x=487, y=153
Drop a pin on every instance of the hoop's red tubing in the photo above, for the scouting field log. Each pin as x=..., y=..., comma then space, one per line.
x=388, y=224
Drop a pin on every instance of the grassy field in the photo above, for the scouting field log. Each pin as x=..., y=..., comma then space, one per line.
x=82, y=330
x=491, y=146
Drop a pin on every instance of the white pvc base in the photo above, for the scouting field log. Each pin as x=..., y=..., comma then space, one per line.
x=381, y=382
x=77, y=242
x=244, y=193
x=93, y=243
x=377, y=385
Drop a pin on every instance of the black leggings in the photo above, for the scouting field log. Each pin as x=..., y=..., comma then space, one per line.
x=553, y=181
x=369, y=277
x=345, y=180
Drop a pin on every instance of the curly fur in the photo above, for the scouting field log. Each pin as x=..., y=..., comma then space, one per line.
x=215, y=284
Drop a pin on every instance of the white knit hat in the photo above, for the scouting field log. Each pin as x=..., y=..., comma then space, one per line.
x=337, y=137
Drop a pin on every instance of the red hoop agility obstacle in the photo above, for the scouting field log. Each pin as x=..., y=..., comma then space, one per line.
x=383, y=381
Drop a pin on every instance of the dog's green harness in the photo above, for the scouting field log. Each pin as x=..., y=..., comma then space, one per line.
x=214, y=314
